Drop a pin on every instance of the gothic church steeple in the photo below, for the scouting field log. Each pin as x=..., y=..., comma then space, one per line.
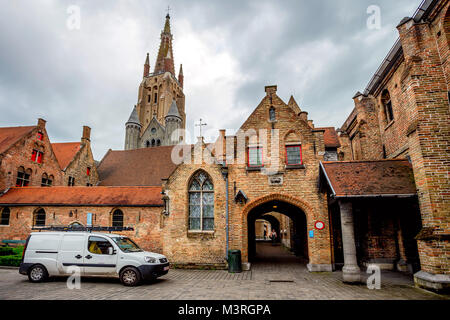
x=164, y=62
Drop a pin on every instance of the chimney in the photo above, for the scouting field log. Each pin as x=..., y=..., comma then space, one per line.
x=41, y=123
x=304, y=116
x=270, y=90
x=86, y=134
x=221, y=146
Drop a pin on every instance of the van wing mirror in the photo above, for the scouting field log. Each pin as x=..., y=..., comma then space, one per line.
x=111, y=251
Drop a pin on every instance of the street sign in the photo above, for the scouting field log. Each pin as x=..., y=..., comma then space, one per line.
x=319, y=225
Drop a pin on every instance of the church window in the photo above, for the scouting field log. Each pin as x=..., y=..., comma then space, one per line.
x=117, y=218
x=201, y=203
x=255, y=156
x=158, y=143
x=46, y=180
x=156, y=97
x=147, y=144
x=23, y=177
x=71, y=181
x=294, y=155
x=272, y=115
x=149, y=98
x=387, y=106
x=153, y=130
x=4, y=221
x=153, y=142
x=39, y=218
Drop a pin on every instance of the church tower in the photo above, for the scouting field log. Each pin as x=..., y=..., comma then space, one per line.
x=159, y=93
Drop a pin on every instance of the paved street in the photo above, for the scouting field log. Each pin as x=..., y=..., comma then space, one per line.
x=276, y=275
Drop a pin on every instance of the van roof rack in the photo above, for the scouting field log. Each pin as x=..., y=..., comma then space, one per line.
x=81, y=228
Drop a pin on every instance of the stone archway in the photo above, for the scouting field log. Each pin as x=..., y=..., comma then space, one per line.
x=299, y=211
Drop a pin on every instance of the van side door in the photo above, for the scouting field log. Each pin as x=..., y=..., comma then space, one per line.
x=71, y=253
x=100, y=256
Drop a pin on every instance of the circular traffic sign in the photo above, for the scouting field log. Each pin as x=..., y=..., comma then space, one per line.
x=319, y=225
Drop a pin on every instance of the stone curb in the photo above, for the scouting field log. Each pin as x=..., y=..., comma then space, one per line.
x=8, y=268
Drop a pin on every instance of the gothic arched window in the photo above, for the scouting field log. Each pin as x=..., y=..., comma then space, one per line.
x=158, y=143
x=153, y=142
x=201, y=203
x=117, y=218
x=272, y=115
x=148, y=144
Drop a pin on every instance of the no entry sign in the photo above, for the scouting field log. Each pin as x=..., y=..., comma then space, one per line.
x=319, y=225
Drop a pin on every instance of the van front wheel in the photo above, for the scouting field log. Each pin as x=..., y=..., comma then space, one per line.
x=37, y=273
x=130, y=277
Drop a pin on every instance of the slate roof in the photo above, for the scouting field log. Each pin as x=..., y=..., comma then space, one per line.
x=330, y=137
x=140, y=167
x=369, y=178
x=65, y=152
x=134, y=117
x=173, y=111
x=10, y=135
x=83, y=196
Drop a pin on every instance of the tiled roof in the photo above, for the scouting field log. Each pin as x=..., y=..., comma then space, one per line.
x=140, y=167
x=10, y=135
x=83, y=196
x=65, y=152
x=330, y=137
x=369, y=178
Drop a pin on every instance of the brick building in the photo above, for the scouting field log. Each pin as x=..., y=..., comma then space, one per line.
x=76, y=161
x=27, y=158
x=376, y=194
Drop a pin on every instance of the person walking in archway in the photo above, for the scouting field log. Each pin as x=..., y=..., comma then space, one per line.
x=273, y=236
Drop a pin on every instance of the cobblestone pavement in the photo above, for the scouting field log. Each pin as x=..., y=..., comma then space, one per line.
x=283, y=276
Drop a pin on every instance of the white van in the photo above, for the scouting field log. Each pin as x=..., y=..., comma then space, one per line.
x=96, y=254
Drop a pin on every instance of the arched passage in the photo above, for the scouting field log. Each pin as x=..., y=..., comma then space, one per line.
x=274, y=223
x=283, y=207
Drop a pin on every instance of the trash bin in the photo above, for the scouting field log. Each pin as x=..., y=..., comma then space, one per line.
x=234, y=261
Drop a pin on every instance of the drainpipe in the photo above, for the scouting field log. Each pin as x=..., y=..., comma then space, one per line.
x=225, y=176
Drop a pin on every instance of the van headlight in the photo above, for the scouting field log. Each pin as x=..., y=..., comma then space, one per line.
x=150, y=259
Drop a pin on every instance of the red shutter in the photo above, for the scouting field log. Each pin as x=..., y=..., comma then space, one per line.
x=33, y=155
x=39, y=157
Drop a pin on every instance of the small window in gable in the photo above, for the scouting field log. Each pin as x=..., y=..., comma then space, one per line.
x=272, y=115
x=36, y=156
x=294, y=155
x=71, y=182
x=255, y=156
x=40, y=136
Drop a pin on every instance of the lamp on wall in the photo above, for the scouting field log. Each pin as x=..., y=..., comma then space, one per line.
x=165, y=199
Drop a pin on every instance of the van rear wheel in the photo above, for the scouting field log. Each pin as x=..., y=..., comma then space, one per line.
x=130, y=277
x=37, y=273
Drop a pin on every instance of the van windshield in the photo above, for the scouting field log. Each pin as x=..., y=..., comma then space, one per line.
x=126, y=244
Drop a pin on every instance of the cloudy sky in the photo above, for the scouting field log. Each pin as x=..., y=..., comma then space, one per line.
x=321, y=52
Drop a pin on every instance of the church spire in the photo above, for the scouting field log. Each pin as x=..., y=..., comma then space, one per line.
x=147, y=66
x=164, y=62
x=181, y=76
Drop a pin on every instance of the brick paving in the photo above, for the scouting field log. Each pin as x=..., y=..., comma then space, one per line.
x=276, y=274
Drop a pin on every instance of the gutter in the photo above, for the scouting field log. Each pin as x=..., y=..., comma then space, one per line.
x=406, y=195
x=328, y=180
x=421, y=13
x=80, y=205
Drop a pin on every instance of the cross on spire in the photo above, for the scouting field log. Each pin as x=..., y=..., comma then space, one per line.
x=168, y=10
x=201, y=125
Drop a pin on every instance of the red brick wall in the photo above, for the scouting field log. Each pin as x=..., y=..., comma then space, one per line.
x=20, y=155
x=145, y=220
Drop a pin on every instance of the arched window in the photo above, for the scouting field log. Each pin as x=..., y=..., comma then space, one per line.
x=153, y=142
x=23, y=177
x=387, y=106
x=39, y=218
x=147, y=144
x=117, y=218
x=201, y=203
x=272, y=115
x=4, y=221
x=46, y=180
x=158, y=143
